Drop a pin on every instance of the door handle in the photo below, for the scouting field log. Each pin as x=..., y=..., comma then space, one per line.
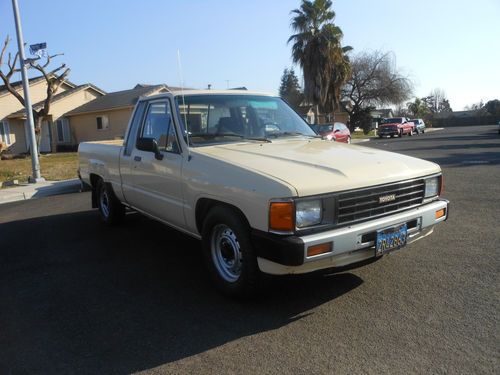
x=137, y=158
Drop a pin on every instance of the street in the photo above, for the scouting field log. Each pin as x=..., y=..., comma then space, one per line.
x=79, y=297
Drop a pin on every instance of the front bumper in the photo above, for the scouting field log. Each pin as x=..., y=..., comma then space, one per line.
x=385, y=132
x=352, y=244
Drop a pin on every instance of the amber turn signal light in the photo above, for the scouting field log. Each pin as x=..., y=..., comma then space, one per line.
x=441, y=185
x=440, y=213
x=319, y=249
x=281, y=216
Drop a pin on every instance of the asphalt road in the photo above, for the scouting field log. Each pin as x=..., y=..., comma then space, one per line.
x=77, y=297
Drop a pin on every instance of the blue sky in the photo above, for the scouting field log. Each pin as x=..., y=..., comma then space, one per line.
x=451, y=44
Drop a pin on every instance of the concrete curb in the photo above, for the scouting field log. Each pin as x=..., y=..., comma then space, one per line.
x=362, y=140
x=39, y=190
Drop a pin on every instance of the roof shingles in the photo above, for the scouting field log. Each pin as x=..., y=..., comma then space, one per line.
x=119, y=99
x=56, y=98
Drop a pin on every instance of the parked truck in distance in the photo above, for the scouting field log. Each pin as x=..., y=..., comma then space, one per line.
x=246, y=175
x=396, y=126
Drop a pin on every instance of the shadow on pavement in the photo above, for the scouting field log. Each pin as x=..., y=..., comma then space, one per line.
x=77, y=297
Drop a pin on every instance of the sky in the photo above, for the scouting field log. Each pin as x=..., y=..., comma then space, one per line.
x=448, y=44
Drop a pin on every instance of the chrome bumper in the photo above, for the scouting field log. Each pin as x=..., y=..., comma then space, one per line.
x=356, y=243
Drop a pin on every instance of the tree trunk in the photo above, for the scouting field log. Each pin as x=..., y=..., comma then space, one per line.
x=37, y=122
x=38, y=132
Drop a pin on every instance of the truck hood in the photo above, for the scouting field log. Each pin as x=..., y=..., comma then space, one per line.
x=314, y=166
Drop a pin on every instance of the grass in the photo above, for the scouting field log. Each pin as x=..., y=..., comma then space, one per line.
x=59, y=166
x=361, y=135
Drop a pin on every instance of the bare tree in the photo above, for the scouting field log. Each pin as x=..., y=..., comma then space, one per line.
x=374, y=81
x=437, y=101
x=54, y=79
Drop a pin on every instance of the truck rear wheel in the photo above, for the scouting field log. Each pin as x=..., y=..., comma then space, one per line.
x=111, y=210
x=228, y=252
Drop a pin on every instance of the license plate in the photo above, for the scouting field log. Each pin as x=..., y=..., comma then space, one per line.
x=391, y=239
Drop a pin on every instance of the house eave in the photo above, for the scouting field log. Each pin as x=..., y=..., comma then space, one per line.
x=69, y=114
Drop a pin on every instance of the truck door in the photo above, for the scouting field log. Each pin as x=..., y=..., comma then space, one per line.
x=126, y=166
x=156, y=179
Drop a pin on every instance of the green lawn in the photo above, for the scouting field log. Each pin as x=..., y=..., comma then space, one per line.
x=59, y=166
x=361, y=135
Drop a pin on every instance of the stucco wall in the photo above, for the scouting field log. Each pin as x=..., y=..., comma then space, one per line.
x=9, y=104
x=59, y=108
x=17, y=136
x=84, y=126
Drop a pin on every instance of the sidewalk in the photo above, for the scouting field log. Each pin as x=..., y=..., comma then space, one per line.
x=38, y=190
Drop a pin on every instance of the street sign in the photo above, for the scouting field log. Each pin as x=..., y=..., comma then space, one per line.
x=38, y=49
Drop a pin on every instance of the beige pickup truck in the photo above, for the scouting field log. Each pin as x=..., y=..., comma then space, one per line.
x=245, y=174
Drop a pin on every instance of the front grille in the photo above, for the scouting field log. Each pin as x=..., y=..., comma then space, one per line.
x=364, y=204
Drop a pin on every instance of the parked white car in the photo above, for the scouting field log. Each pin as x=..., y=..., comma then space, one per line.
x=245, y=174
x=419, y=125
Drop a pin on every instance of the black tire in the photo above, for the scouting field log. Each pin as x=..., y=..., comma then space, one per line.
x=392, y=135
x=380, y=136
x=401, y=133
x=411, y=133
x=228, y=252
x=349, y=140
x=111, y=210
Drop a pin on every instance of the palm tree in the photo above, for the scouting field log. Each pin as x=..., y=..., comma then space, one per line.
x=318, y=51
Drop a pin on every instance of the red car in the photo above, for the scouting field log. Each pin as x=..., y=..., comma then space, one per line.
x=338, y=132
x=396, y=126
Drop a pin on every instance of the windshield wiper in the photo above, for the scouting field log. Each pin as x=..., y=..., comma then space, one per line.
x=294, y=134
x=214, y=135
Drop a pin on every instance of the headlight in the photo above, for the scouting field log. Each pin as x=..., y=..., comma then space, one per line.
x=308, y=213
x=431, y=187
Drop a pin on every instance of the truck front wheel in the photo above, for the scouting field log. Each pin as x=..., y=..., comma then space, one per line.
x=228, y=252
x=110, y=209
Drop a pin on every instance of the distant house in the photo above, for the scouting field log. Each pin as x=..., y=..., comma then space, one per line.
x=55, y=128
x=379, y=114
x=106, y=117
x=382, y=113
x=307, y=112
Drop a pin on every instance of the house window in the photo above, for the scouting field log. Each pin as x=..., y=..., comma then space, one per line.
x=102, y=122
x=62, y=126
x=4, y=132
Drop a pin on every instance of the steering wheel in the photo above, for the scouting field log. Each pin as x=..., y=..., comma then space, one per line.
x=271, y=127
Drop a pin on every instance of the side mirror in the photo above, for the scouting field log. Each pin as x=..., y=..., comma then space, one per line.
x=149, y=145
x=336, y=130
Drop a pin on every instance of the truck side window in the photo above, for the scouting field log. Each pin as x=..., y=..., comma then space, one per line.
x=132, y=133
x=159, y=125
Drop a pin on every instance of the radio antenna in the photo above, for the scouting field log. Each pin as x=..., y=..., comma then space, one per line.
x=183, y=101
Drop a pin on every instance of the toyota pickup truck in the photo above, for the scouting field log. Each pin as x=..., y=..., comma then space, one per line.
x=245, y=174
x=396, y=126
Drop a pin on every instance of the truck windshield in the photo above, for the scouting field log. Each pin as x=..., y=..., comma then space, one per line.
x=397, y=120
x=218, y=118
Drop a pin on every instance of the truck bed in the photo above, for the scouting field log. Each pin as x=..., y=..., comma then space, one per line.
x=101, y=158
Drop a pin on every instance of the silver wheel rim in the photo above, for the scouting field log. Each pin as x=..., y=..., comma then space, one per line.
x=104, y=200
x=226, y=253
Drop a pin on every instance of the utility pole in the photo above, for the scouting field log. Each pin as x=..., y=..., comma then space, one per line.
x=35, y=164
